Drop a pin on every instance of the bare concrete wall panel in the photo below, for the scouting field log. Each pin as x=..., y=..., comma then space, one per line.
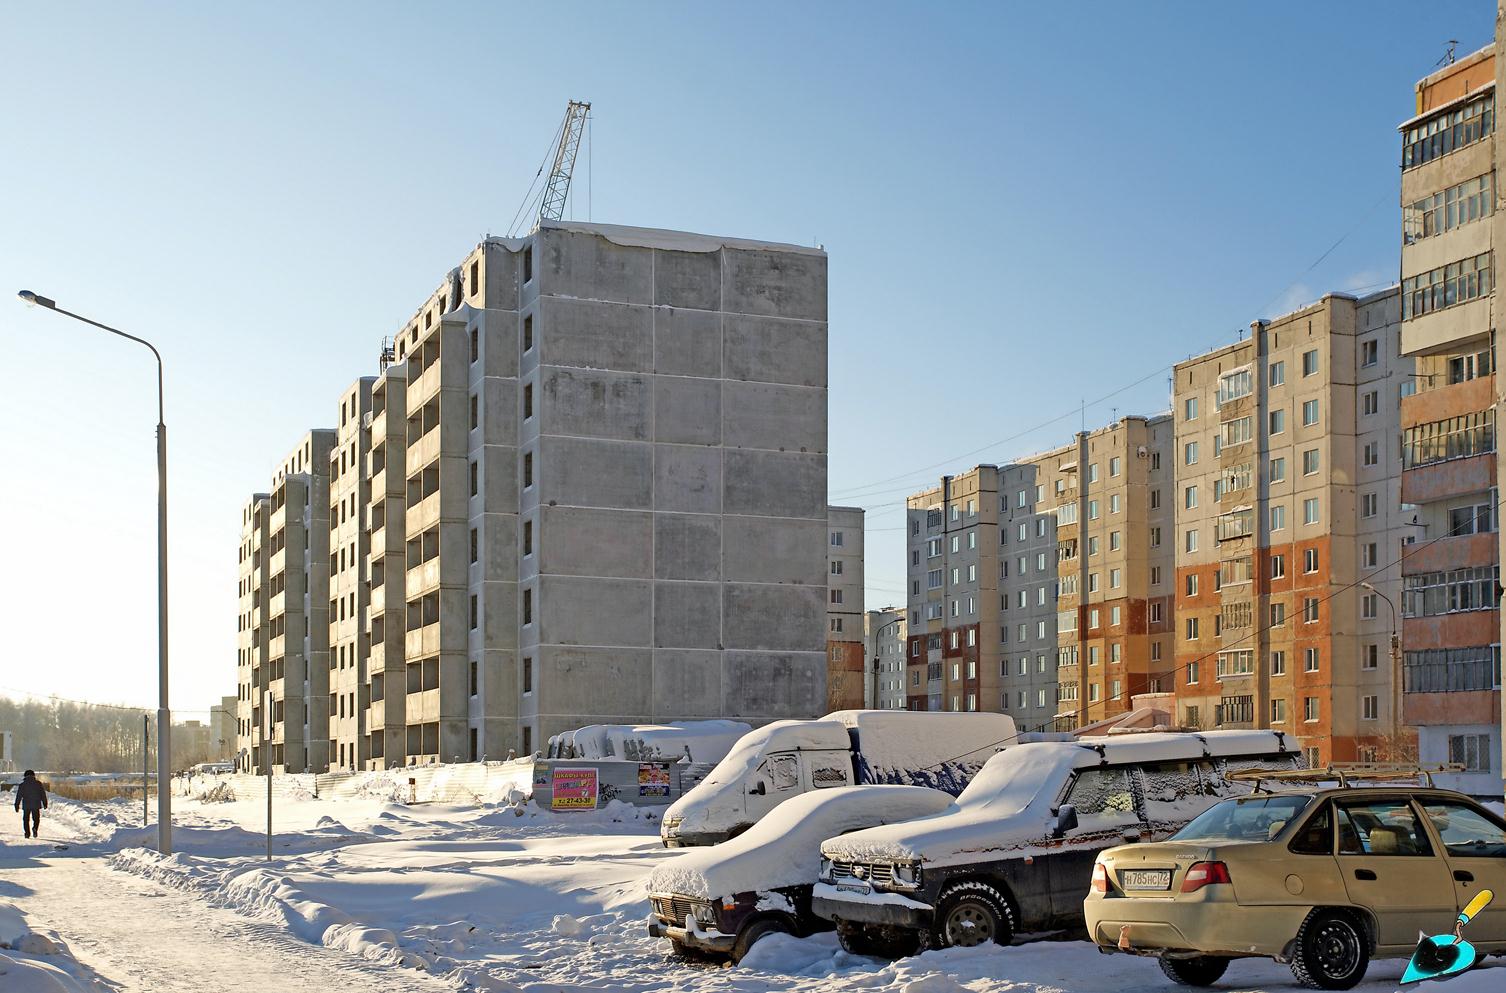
x=688, y=279
x=773, y=618
x=688, y=479
x=591, y=268
x=593, y=335
x=766, y=415
x=766, y=350
x=594, y=681
x=687, y=343
x=687, y=615
x=777, y=284
x=688, y=411
x=775, y=484
x=594, y=402
x=687, y=684
x=590, y=473
x=763, y=686
x=687, y=547
x=576, y=541
x=571, y=610
x=774, y=550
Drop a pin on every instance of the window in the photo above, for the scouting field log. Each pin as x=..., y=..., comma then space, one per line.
x=1462, y=368
x=1278, y=615
x=1310, y=462
x=835, y=596
x=836, y=540
x=1189, y=453
x=475, y=681
x=1447, y=286
x=1236, y=524
x=1309, y=413
x=1369, y=504
x=1451, y=438
x=1370, y=708
x=1371, y=453
x=1380, y=827
x=1278, y=517
x=528, y=333
x=1189, y=409
x=972, y=539
x=528, y=264
x=1278, y=566
x=473, y=544
x=1278, y=711
x=474, y=479
x=1464, y=831
x=528, y=606
x=1278, y=663
x=1114, y=466
x=527, y=469
x=1114, y=580
x=836, y=567
x=1278, y=421
x=475, y=412
x=1310, y=614
x=1092, y=510
x=1189, y=540
x=1192, y=629
x=1155, y=570
x=1447, y=209
x=1432, y=593
x=527, y=675
x=1277, y=374
x=1189, y=497
x=1472, y=751
x=1309, y=560
x=1370, y=402
x=1310, y=510
x=475, y=612
x=1236, y=663
x=1309, y=708
x=1278, y=470
x=1192, y=677
x=1093, y=472
x=1476, y=519
x=475, y=346
x=1234, y=385
x=1114, y=505
x=1192, y=584
x=1309, y=363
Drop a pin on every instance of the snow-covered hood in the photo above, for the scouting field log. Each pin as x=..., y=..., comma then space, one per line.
x=784, y=848
x=716, y=802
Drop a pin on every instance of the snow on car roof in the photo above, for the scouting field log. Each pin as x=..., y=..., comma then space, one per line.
x=784, y=847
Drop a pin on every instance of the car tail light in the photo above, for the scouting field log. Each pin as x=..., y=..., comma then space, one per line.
x=1201, y=874
x=1100, y=878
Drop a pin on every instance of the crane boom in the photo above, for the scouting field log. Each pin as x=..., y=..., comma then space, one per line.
x=557, y=190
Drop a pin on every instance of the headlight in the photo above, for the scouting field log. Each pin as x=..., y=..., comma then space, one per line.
x=704, y=913
x=825, y=874
x=907, y=873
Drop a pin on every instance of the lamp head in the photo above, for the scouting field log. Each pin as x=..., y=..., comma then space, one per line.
x=36, y=300
x=1367, y=586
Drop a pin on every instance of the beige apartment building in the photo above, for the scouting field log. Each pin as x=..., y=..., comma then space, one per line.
x=349, y=586
x=846, y=643
x=594, y=478
x=1287, y=495
x=1450, y=470
x=253, y=632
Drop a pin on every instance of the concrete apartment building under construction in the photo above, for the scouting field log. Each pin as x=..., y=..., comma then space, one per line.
x=595, y=467
x=1450, y=468
x=1287, y=494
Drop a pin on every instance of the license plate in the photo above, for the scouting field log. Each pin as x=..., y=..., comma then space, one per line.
x=1145, y=879
x=862, y=888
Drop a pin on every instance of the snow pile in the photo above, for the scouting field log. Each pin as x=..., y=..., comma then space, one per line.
x=38, y=962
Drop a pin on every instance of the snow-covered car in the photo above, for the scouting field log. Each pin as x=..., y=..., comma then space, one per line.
x=847, y=748
x=723, y=899
x=1016, y=853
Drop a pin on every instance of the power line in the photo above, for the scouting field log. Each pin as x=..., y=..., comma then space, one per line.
x=1081, y=711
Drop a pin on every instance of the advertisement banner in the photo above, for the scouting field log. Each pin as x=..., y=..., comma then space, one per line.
x=573, y=789
x=653, y=779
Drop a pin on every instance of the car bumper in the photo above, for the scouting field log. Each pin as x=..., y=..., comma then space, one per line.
x=705, y=941
x=1161, y=927
x=695, y=839
x=862, y=905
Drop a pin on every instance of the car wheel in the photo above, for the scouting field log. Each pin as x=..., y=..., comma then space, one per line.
x=1332, y=951
x=972, y=914
x=883, y=943
x=1205, y=970
x=758, y=929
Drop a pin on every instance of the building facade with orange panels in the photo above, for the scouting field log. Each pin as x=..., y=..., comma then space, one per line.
x=1287, y=497
x=1452, y=626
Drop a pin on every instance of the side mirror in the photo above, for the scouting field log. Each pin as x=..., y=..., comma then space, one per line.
x=1066, y=820
x=758, y=790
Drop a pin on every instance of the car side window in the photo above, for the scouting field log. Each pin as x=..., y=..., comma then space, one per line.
x=784, y=770
x=1104, y=793
x=1316, y=836
x=1466, y=832
x=1381, y=827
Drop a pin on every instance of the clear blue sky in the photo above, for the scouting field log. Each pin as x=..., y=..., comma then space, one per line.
x=1024, y=205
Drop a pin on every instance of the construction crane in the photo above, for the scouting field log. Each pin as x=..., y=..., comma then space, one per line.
x=556, y=190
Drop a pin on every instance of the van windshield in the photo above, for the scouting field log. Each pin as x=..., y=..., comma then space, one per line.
x=1246, y=819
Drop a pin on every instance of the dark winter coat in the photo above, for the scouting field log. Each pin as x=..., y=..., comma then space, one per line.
x=31, y=794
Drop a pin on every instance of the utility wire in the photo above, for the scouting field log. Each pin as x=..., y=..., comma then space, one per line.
x=1396, y=718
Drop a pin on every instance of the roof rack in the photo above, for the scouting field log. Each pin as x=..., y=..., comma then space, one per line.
x=1345, y=773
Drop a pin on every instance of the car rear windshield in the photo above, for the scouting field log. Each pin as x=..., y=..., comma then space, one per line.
x=1254, y=818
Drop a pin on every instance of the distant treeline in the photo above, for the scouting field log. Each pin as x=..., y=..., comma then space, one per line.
x=61, y=736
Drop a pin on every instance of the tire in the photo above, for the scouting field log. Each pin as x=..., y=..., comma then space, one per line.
x=972, y=914
x=1205, y=970
x=882, y=943
x=749, y=935
x=1332, y=951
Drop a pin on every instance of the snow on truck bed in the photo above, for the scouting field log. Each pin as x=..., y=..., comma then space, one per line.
x=784, y=848
x=925, y=749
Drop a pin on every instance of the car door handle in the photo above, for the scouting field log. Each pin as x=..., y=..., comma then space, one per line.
x=1464, y=876
x=1364, y=874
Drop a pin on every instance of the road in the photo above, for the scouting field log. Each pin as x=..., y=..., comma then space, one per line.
x=145, y=938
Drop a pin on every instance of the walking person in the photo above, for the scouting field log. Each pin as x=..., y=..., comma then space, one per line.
x=31, y=797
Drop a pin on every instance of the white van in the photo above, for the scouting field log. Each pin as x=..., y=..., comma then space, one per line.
x=849, y=747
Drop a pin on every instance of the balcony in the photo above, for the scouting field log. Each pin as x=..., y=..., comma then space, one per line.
x=1453, y=477
x=1443, y=402
x=1444, y=554
x=1442, y=328
x=424, y=514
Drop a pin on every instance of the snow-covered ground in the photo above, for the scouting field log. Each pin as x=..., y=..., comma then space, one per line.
x=365, y=894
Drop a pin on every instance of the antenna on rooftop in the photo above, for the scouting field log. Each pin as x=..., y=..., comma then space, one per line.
x=1448, y=56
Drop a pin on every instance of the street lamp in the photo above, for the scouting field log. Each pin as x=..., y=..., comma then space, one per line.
x=164, y=717
x=1396, y=669
x=876, y=633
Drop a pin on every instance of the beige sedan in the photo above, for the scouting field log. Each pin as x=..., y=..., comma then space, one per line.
x=1323, y=879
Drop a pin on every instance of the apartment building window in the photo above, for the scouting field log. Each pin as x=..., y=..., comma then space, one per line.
x=1277, y=375
x=1310, y=462
x=956, y=512
x=475, y=345
x=972, y=508
x=1451, y=438
x=1473, y=751
x=972, y=573
x=1192, y=629
x=1432, y=593
x=1462, y=368
x=1278, y=470
x=1092, y=510
x=1155, y=499
x=528, y=607
x=1310, y=660
x=1369, y=354
x=1310, y=611
x=972, y=539
x=1092, y=582
x=1370, y=402
x=1369, y=505
x=836, y=567
x=1189, y=497
x=1309, y=413
x=1309, y=363
x=1447, y=286
x=1189, y=540
x=1476, y=519
x=1368, y=555
x=1234, y=385
x=1093, y=472
x=835, y=596
x=1310, y=510
x=1278, y=615
x=837, y=538
x=1309, y=560
x=1155, y=570
x=474, y=479
x=1024, y=531
x=527, y=470
x=1189, y=409
x=474, y=545
x=1114, y=504
x=1191, y=584
x=1371, y=456
x=1310, y=709
x=835, y=627
x=1367, y=607
x=475, y=678
x=1447, y=209
x=1453, y=670
x=475, y=612
x=1236, y=663
x=1155, y=461
x=1193, y=668
x=1114, y=580
x=475, y=412
x=1236, y=524
x=1278, y=711
x=1278, y=663
x=1189, y=453
x=1114, y=465
x=1154, y=611
x=1437, y=136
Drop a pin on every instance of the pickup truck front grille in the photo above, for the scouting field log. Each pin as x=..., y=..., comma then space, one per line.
x=873, y=872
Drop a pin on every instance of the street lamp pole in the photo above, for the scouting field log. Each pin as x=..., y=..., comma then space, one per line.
x=164, y=716
x=1396, y=669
